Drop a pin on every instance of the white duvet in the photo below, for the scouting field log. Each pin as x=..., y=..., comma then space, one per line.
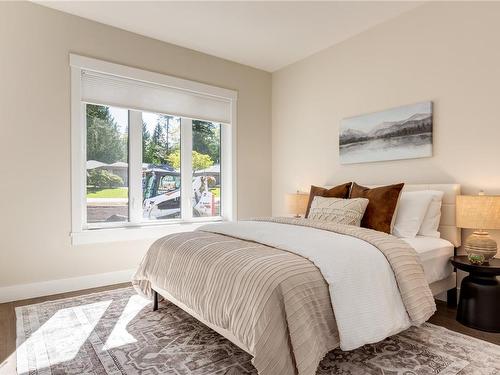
x=363, y=290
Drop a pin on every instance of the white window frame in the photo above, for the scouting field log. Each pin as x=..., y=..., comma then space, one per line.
x=135, y=228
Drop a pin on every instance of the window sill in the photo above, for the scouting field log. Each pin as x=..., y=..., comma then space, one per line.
x=133, y=233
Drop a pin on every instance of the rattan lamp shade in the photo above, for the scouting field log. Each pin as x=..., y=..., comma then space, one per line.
x=478, y=211
x=296, y=203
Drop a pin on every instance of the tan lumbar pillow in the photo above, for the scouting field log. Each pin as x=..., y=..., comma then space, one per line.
x=338, y=210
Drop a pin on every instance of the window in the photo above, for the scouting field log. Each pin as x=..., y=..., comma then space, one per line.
x=161, y=177
x=206, y=169
x=107, y=164
x=147, y=150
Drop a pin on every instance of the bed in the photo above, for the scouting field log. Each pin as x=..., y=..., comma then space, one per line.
x=274, y=287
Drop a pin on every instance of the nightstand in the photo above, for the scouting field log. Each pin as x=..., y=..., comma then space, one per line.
x=479, y=301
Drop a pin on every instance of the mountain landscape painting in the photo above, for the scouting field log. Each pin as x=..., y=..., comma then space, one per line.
x=398, y=133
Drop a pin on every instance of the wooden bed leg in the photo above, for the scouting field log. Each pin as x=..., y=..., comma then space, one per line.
x=451, y=297
x=155, y=300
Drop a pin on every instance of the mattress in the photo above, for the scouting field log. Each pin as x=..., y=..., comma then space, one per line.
x=435, y=254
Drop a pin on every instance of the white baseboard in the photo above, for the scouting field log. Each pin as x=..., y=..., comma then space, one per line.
x=47, y=288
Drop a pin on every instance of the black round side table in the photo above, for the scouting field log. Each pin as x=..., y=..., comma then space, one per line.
x=479, y=302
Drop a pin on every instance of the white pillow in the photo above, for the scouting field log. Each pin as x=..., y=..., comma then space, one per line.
x=412, y=208
x=430, y=225
x=338, y=210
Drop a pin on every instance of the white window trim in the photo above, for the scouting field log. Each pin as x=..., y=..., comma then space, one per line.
x=80, y=234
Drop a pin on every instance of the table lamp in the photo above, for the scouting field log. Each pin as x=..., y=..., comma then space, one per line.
x=296, y=203
x=479, y=212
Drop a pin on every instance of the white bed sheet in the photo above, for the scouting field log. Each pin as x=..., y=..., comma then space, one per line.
x=435, y=254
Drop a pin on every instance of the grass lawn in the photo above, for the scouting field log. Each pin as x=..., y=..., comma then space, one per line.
x=121, y=192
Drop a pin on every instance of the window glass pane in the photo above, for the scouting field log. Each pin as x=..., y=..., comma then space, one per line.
x=107, y=164
x=206, y=169
x=161, y=163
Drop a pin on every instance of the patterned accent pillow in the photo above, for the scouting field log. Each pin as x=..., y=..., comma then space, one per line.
x=340, y=191
x=338, y=210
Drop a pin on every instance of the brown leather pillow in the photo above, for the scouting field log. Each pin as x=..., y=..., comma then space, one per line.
x=382, y=205
x=340, y=191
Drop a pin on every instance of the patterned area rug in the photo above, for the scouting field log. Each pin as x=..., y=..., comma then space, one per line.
x=116, y=332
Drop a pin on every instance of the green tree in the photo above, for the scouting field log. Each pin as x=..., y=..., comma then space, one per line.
x=98, y=111
x=146, y=139
x=162, y=142
x=105, y=143
x=101, y=178
x=200, y=161
x=206, y=139
x=152, y=147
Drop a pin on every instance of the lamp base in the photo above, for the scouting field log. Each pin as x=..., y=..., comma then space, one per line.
x=480, y=247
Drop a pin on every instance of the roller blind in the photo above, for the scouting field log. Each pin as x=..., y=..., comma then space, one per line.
x=99, y=88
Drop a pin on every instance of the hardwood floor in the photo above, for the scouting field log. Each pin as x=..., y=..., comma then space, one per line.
x=445, y=317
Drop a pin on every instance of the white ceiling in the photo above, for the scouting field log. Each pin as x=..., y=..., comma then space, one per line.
x=265, y=35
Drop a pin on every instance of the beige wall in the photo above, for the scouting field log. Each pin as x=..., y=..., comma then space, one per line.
x=35, y=136
x=445, y=52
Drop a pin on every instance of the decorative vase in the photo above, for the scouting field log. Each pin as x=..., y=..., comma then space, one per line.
x=480, y=247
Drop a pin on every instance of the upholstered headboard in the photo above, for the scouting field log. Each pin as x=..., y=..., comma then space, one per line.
x=447, y=225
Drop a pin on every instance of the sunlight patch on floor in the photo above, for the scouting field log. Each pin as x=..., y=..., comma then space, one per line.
x=61, y=337
x=120, y=336
x=8, y=366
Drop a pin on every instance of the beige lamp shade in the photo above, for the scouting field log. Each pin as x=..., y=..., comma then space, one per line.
x=478, y=211
x=296, y=203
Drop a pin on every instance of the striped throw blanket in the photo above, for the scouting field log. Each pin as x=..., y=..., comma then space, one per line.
x=273, y=299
